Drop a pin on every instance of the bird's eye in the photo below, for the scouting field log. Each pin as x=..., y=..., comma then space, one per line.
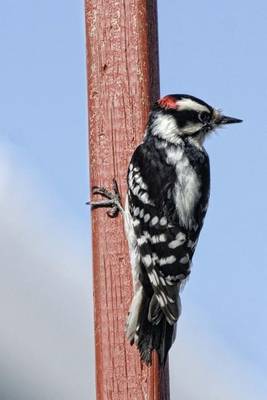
x=204, y=117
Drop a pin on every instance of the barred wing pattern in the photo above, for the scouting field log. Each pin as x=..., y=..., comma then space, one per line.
x=163, y=246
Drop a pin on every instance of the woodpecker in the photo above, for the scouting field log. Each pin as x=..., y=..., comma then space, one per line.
x=167, y=199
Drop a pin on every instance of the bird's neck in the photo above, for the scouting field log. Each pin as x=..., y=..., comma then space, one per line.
x=165, y=128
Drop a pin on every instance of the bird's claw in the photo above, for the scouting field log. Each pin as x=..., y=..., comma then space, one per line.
x=113, y=199
x=102, y=191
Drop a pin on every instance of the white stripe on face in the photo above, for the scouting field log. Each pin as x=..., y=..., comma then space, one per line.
x=191, y=127
x=189, y=104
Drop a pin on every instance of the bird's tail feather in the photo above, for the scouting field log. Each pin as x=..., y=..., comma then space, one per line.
x=148, y=329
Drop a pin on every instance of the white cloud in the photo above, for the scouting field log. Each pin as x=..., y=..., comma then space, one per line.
x=205, y=368
x=45, y=334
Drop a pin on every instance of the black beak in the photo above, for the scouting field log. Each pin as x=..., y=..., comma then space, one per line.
x=228, y=120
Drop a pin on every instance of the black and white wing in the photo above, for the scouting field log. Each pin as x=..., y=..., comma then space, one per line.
x=161, y=248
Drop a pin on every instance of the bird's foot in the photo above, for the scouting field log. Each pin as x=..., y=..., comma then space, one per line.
x=113, y=199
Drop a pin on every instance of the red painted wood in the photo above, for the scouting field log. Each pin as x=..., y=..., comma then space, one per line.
x=123, y=82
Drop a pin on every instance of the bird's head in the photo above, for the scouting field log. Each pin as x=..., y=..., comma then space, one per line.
x=178, y=116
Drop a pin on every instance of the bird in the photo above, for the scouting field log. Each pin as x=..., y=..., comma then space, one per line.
x=167, y=199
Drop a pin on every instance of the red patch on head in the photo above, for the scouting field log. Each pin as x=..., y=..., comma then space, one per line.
x=167, y=102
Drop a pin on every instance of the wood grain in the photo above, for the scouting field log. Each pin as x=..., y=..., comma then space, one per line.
x=123, y=82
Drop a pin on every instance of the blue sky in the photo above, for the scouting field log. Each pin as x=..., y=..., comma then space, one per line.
x=214, y=51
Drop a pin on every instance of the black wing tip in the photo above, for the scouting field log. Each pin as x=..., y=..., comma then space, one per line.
x=146, y=357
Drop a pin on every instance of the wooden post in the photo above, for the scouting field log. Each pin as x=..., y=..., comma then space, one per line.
x=123, y=82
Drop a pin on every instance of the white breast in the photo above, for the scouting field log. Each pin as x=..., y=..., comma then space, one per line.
x=187, y=187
